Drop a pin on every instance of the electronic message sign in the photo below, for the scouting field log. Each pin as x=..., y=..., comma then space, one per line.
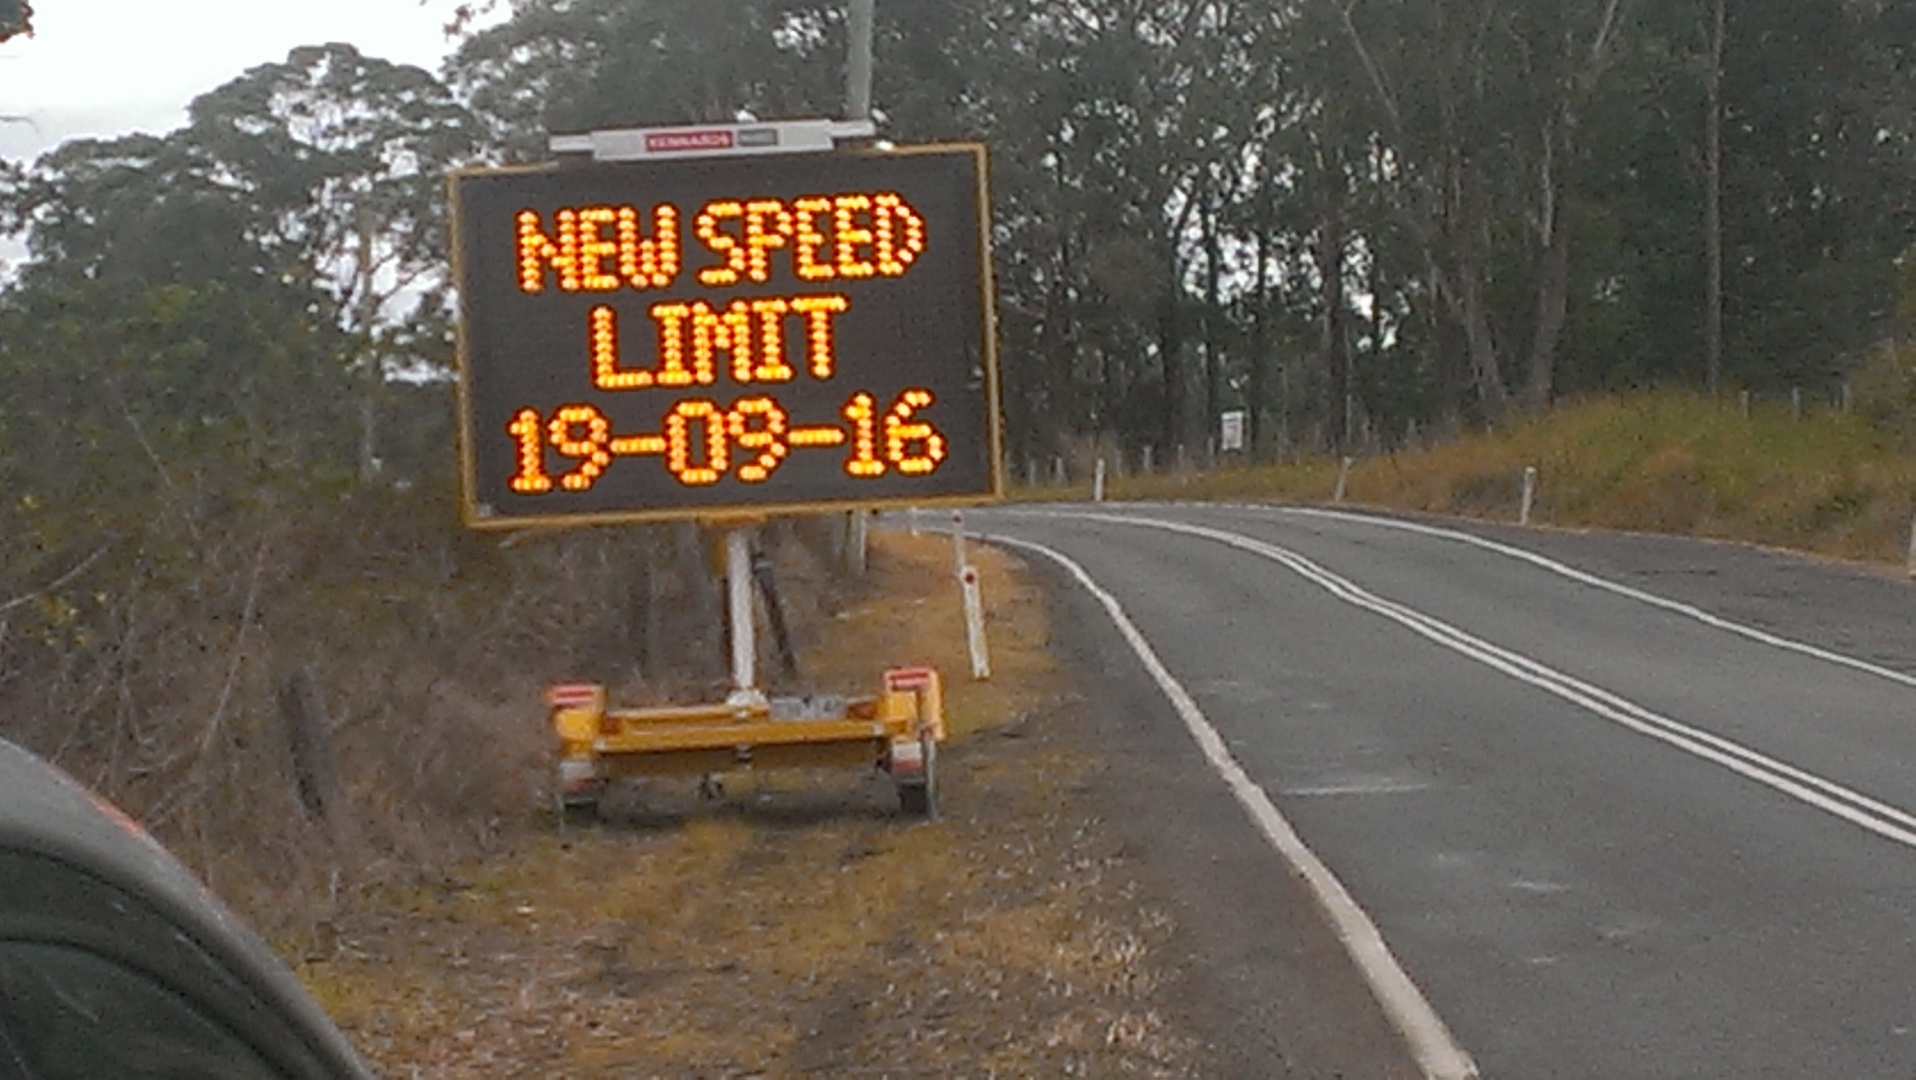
x=715, y=336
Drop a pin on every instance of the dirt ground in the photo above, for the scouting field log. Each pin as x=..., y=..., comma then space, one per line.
x=797, y=925
x=1068, y=914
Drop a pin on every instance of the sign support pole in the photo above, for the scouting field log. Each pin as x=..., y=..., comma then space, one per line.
x=858, y=61
x=738, y=595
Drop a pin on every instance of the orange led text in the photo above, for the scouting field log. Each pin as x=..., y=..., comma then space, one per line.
x=849, y=237
x=746, y=341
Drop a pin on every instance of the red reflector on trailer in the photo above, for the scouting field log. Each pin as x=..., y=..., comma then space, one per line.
x=572, y=695
x=910, y=678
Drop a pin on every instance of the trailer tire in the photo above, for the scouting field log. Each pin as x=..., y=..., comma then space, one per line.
x=577, y=811
x=918, y=797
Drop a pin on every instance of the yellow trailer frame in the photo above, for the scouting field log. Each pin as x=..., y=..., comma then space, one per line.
x=896, y=731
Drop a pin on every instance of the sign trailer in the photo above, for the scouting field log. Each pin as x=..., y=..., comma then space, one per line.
x=723, y=323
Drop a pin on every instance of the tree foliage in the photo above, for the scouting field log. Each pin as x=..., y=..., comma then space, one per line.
x=224, y=442
x=1343, y=215
x=16, y=18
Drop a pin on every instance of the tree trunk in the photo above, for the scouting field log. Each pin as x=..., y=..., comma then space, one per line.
x=1374, y=285
x=1054, y=372
x=1553, y=270
x=1453, y=355
x=1260, y=345
x=1213, y=362
x=1170, y=342
x=1471, y=312
x=1331, y=342
x=1713, y=203
x=304, y=717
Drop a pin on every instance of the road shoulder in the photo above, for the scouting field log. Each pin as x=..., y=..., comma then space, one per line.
x=1267, y=986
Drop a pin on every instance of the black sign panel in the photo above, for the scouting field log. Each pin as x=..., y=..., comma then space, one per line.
x=708, y=337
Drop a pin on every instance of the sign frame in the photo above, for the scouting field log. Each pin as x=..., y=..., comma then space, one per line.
x=476, y=515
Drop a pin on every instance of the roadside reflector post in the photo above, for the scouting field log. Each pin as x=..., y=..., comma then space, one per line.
x=1343, y=478
x=958, y=542
x=1097, y=482
x=1912, y=548
x=975, y=623
x=911, y=521
x=857, y=540
x=1529, y=494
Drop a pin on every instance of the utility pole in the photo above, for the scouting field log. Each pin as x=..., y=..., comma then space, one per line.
x=858, y=62
x=1713, y=201
x=858, y=106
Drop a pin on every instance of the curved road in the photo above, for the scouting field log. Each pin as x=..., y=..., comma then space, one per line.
x=1618, y=806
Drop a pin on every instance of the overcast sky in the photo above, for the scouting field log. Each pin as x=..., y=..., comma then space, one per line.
x=106, y=67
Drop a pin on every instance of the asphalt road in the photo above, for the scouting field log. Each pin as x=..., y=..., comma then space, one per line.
x=1618, y=806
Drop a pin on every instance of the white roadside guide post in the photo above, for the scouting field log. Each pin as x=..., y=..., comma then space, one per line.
x=1343, y=478
x=1529, y=494
x=958, y=541
x=975, y=623
x=974, y=601
x=1097, y=482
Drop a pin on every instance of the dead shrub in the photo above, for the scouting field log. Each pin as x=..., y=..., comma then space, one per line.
x=161, y=678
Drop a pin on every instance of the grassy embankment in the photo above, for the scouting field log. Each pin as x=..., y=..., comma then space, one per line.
x=798, y=926
x=1829, y=482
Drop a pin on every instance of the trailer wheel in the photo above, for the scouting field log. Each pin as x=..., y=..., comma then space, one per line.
x=578, y=811
x=918, y=797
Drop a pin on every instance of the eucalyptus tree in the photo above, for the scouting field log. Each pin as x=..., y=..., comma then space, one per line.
x=16, y=18
x=168, y=384
x=1819, y=203
x=340, y=160
x=576, y=65
x=1748, y=206
x=1120, y=165
x=140, y=236
x=1481, y=104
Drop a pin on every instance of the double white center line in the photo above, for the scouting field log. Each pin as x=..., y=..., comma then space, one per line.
x=1430, y=1041
x=1853, y=806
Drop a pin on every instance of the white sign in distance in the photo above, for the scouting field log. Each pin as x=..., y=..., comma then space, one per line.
x=1230, y=435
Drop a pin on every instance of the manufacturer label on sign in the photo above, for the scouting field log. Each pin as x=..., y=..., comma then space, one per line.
x=658, y=141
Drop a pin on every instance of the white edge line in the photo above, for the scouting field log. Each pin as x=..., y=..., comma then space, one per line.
x=1430, y=1040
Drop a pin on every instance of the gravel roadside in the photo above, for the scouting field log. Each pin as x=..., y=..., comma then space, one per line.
x=1091, y=903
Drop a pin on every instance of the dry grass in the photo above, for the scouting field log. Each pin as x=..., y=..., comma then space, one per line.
x=1665, y=462
x=798, y=927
